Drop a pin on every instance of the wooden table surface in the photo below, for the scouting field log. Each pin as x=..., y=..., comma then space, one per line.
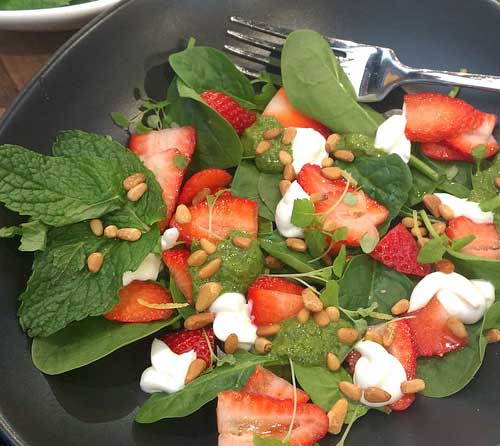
x=21, y=56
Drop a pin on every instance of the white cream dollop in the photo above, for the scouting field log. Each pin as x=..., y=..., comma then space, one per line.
x=308, y=147
x=465, y=299
x=464, y=208
x=148, y=270
x=284, y=211
x=169, y=238
x=378, y=368
x=232, y=315
x=168, y=370
x=391, y=137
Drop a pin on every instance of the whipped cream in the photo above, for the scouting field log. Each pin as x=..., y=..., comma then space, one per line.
x=169, y=238
x=148, y=270
x=308, y=147
x=464, y=208
x=284, y=211
x=391, y=137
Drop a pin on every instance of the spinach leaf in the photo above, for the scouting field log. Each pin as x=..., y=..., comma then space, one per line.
x=87, y=341
x=33, y=4
x=268, y=187
x=314, y=80
x=477, y=267
x=179, y=298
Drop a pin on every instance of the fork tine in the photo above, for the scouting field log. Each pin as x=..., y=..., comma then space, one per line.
x=256, y=74
x=264, y=44
x=250, y=55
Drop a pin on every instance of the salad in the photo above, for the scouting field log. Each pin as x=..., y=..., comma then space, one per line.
x=297, y=256
x=14, y=5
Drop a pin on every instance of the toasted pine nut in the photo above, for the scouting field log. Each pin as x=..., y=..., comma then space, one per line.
x=262, y=147
x=336, y=416
x=207, y=295
x=432, y=203
x=350, y=390
x=400, y=307
x=182, y=214
x=197, y=258
x=129, y=234
x=201, y=196
x=263, y=345
x=272, y=133
x=96, y=227
x=321, y=318
x=133, y=180
x=327, y=162
x=268, y=330
x=208, y=246
x=288, y=135
x=445, y=266
x=196, y=368
x=303, y=315
x=376, y=395
x=311, y=301
x=422, y=241
x=347, y=335
x=283, y=186
x=242, y=242
x=137, y=192
x=110, y=231
x=272, y=262
x=419, y=231
x=231, y=344
x=457, y=327
x=210, y=268
x=296, y=244
x=332, y=362
x=332, y=173
x=95, y=261
x=289, y=173
x=374, y=336
x=333, y=313
x=409, y=223
x=197, y=321
x=343, y=155
x=329, y=226
x=413, y=386
x=439, y=227
x=332, y=141
x=446, y=212
x=317, y=196
x=389, y=335
x=284, y=157
x=497, y=183
x=493, y=336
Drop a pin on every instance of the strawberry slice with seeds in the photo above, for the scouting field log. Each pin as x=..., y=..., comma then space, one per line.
x=176, y=262
x=274, y=300
x=129, y=309
x=244, y=415
x=212, y=179
x=201, y=341
x=265, y=382
x=441, y=152
x=399, y=250
x=487, y=241
x=180, y=138
x=351, y=360
x=430, y=330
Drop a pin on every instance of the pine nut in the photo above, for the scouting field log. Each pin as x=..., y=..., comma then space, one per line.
x=316, y=196
x=210, y=268
x=493, y=336
x=137, y=192
x=272, y=262
x=95, y=261
x=289, y=173
x=283, y=186
x=389, y=335
x=439, y=227
x=196, y=368
x=133, y=180
x=347, y=335
x=321, y=318
x=262, y=147
x=350, y=390
x=432, y=203
x=272, y=133
x=242, y=242
x=457, y=327
x=343, y=155
x=311, y=301
x=327, y=162
x=263, y=345
x=332, y=362
x=446, y=212
x=333, y=313
x=336, y=416
x=329, y=226
x=289, y=135
x=332, y=141
x=182, y=214
x=129, y=234
x=409, y=223
x=419, y=231
x=96, y=227
x=332, y=173
x=201, y=196
x=284, y=157
x=445, y=266
x=374, y=336
x=303, y=315
x=197, y=321
x=497, y=183
x=197, y=258
x=413, y=386
x=110, y=231
x=231, y=344
x=376, y=395
x=208, y=246
x=207, y=295
x=268, y=330
x=296, y=244
x=422, y=241
x=400, y=307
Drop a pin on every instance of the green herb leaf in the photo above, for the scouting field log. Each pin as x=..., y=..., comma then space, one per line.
x=303, y=212
x=33, y=4
x=432, y=252
x=226, y=360
x=120, y=120
x=316, y=242
x=330, y=294
x=350, y=199
x=180, y=162
x=10, y=231
x=340, y=262
x=479, y=153
x=368, y=242
x=33, y=235
x=179, y=298
x=459, y=243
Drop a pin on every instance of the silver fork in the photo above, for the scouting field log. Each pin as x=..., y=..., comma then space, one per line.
x=373, y=70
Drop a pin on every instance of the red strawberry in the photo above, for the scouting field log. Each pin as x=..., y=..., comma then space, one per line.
x=176, y=261
x=399, y=250
x=265, y=382
x=441, y=152
x=274, y=300
x=185, y=340
x=433, y=117
x=228, y=214
x=430, y=330
x=239, y=117
x=130, y=310
x=243, y=415
x=487, y=241
x=212, y=179
x=403, y=348
x=288, y=116
x=180, y=138
x=351, y=360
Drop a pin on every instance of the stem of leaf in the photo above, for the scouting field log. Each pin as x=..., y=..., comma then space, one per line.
x=428, y=224
x=423, y=168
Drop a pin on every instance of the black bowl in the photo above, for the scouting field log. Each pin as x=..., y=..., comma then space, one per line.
x=94, y=74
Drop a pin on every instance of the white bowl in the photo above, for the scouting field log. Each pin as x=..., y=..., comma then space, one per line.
x=53, y=19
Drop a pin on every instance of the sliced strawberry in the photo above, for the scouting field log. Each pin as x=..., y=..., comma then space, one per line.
x=211, y=179
x=176, y=262
x=430, y=330
x=399, y=250
x=351, y=360
x=239, y=117
x=186, y=340
x=235, y=440
x=288, y=116
x=245, y=415
x=441, y=152
x=433, y=117
x=228, y=214
x=274, y=300
x=487, y=241
x=265, y=382
x=130, y=310
x=180, y=138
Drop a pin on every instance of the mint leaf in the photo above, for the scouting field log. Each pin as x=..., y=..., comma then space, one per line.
x=303, y=212
x=120, y=120
x=340, y=234
x=330, y=294
x=316, y=242
x=10, y=231
x=432, y=252
x=33, y=235
x=350, y=199
x=479, y=153
x=180, y=162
